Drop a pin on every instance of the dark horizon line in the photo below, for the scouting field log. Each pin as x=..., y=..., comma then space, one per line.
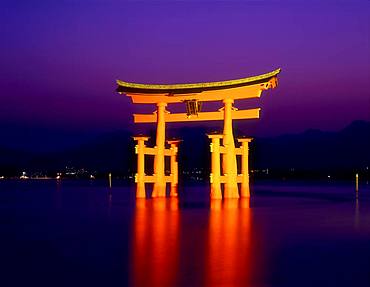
x=88, y=136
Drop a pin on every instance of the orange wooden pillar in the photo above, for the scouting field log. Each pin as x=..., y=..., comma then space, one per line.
x=140, y=175
x=229, y=165
x=174, y=167
x=215, y=166
x=245, y=191
x=159, y=189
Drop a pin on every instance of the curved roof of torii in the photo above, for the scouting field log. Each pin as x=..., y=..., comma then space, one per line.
x=125, y=87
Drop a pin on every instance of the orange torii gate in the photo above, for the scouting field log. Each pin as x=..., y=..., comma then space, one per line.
x=193, y=95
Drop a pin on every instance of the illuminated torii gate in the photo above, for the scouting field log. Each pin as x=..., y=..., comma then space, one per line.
x=193, y=95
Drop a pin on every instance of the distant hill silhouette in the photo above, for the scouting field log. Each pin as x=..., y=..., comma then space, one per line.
x=313, y=151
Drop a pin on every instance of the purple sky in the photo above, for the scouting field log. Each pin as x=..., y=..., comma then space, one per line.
x=59, y=60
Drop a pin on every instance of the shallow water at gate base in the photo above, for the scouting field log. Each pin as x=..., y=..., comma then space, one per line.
x=77, y=233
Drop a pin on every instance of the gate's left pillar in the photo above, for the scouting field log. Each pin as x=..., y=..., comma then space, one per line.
x=159, y=189
x=174, y=167
x=215, y=177
x=140, y=175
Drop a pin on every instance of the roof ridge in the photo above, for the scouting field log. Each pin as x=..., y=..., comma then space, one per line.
x=200, y=84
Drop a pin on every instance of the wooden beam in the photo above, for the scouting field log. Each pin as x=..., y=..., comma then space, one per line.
x=238, y=151
x=246, y=92
x=151, y=178
x=202, y=116
x=153, y=151
x=223, y=178
x=150, y=151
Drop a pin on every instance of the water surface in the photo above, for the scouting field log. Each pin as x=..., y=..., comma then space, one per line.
x=80, y=233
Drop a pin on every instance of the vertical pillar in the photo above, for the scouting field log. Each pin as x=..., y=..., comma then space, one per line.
x=215, y=166
x=159, y=189
x=174, y=167
x=245, y=191
x=229, y=165
x=140, y=175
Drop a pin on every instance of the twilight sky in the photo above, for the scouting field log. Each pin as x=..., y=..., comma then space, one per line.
x=60, y=59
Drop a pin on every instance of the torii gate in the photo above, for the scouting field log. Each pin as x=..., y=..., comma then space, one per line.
x=193, y=95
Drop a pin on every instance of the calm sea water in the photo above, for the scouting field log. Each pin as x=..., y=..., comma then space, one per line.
x=77, y=233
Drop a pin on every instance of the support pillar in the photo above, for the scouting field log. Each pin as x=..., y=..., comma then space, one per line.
x=139, y=177
x=159, y=189
x=245, y=191
x=215, y=166
x=174, y=167
x=229, y=165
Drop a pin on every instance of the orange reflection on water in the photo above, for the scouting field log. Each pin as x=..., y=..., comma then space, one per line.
x=155, y=242
x=229, y=258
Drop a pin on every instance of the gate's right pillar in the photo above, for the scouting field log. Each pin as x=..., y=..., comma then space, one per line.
x=245, y=191
x=229, y=165
x=174, y=167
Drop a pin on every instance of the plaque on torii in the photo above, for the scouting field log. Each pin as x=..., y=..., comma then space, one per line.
x=192, y=95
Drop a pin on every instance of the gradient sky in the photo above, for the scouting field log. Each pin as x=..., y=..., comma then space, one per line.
x=60, y=59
